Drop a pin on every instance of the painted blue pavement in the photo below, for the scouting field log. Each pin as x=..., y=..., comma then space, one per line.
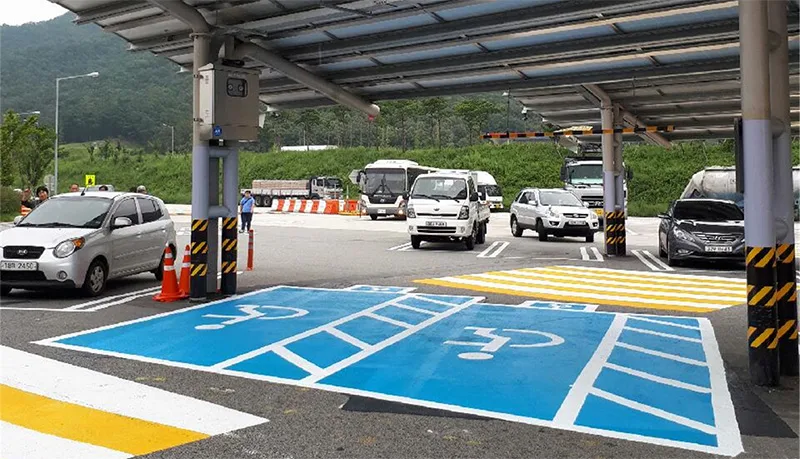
x=655, y=379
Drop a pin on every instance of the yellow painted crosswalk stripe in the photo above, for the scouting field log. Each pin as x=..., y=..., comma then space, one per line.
x=665, y=291
x=89, y=425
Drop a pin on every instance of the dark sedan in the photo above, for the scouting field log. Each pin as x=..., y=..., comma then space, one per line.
x=701, y=229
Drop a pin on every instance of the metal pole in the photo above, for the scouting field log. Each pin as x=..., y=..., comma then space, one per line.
x=759, y=222
x=230, y=240
x=607, y=121
x=55, y=154
x=786, y=296
x=619, y=186
x=213, y=223
x=172, y=150
x=200, y=174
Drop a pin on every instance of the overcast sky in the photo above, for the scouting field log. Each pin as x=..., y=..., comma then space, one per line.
x=16, y=12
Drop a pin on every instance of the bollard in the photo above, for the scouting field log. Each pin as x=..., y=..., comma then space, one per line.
x=250, y=252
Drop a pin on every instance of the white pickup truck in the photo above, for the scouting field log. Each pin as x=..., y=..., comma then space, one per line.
x=447, y=207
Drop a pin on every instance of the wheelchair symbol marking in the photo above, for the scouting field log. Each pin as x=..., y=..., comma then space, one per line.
x=497, y=341
x=250, y=311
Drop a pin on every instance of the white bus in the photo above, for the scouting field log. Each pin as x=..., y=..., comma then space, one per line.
x=385, y=182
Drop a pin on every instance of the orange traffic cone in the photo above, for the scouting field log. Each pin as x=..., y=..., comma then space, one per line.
x=169, y=284
x=183, y=286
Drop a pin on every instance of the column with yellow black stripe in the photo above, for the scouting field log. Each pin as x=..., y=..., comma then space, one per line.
x=610, y=229
x=199, y=268
x=230, y=241
x=762, y=316
x=786, y=302
x=620, y=232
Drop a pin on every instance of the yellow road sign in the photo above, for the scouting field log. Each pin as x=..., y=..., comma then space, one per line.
x=90, y=181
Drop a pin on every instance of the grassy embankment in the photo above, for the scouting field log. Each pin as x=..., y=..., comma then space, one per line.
x=659, y=175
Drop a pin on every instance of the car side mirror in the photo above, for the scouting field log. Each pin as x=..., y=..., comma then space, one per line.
x=405, y=196
x=563, y=173
x=663, y=216
x=17, y=219
x=474, y=197
x=533, y=203
x=121, y=222
x=481, y=195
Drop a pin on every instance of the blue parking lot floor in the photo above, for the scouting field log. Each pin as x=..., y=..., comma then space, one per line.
x=654, y=379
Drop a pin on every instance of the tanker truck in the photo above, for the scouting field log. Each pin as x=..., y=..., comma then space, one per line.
x=718, y=182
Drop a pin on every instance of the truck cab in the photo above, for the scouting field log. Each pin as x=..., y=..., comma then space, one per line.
x=447, y=207
x=325, y=187
x=583, y=177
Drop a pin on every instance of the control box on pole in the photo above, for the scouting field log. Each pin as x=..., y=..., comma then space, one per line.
x=228, y=103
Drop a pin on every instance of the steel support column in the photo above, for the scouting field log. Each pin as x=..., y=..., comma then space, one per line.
x=619, y=185
x=213, y=222
x=609, y=196
x=200, y=178
x=230, y=240
x=762, y=314
x=786, y=287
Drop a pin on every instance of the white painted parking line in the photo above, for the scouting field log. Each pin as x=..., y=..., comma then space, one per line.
x=494, y=249
x=86, y=306
x=653, y=263
x=594, y=256
x=401, y=246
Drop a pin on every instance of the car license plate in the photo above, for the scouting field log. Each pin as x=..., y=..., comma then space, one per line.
x=435, y=223
x=381, y=211
x=719, y=248
x=577, y=222
x=18, y=266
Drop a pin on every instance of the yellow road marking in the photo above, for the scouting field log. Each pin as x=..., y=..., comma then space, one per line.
x=674, y=279
x=577, y=289
x=89, y=425
x=562, y=298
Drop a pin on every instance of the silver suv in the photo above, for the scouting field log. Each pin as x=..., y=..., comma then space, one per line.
x=82, y=241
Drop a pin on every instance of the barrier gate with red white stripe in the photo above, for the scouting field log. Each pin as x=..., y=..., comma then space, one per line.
x=306, y=206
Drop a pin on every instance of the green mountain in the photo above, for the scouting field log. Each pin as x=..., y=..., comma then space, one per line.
x=134, y=94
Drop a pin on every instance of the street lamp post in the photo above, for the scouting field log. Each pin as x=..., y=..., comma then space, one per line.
x=54, y=191
x=172, y=130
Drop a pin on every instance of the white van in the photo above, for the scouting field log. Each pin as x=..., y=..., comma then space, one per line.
x=488, y=185
x=446, y=207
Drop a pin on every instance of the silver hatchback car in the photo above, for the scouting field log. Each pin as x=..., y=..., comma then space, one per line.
x=81, y=241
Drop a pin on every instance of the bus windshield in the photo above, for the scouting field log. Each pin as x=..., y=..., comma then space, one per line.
x=385, y=181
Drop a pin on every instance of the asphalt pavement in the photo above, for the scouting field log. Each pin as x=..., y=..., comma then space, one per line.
x=367, y=415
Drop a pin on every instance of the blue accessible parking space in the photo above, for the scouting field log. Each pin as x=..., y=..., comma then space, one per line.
x=655, y=379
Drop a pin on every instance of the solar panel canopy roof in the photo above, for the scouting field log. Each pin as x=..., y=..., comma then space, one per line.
x=664, y=61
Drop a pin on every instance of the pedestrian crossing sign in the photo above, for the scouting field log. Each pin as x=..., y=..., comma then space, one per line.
x=90, y=180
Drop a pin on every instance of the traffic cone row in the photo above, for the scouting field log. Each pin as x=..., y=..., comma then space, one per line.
x=169, y=283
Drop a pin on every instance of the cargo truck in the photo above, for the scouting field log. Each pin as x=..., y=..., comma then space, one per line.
x=583, y=176
x=324, y=187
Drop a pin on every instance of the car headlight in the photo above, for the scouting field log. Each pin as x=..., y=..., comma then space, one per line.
x=410, y=213
x=592, y=216
x=464, y=214
x=681, y=234
x=66, y=248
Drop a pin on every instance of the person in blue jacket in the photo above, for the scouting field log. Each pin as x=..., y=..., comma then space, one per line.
x=247, y=205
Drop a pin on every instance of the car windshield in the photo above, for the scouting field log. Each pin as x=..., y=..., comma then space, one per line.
x=585, y=171
x=73, y=212
x=709, y=211
x=558, y=198
x=490, y=190
x=333, y=183
x=439, y=187
x=385, y=181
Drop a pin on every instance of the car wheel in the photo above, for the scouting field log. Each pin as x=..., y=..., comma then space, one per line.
x=516, y=230
x=540, y=230
x=670, y=261
x=590, y=237
x=4, y=290
x=661, y=252
x=469, y=241
x=416, y=241
x=481, y=233
x=159, y=272
x=96, y=277
x=374, y=217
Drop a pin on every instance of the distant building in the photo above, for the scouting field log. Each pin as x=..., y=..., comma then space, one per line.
x=308, y=147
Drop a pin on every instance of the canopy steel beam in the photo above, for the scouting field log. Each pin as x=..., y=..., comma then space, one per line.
x=522, y=22
x=597, y=96
x=578, y=50
x=108, y=11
